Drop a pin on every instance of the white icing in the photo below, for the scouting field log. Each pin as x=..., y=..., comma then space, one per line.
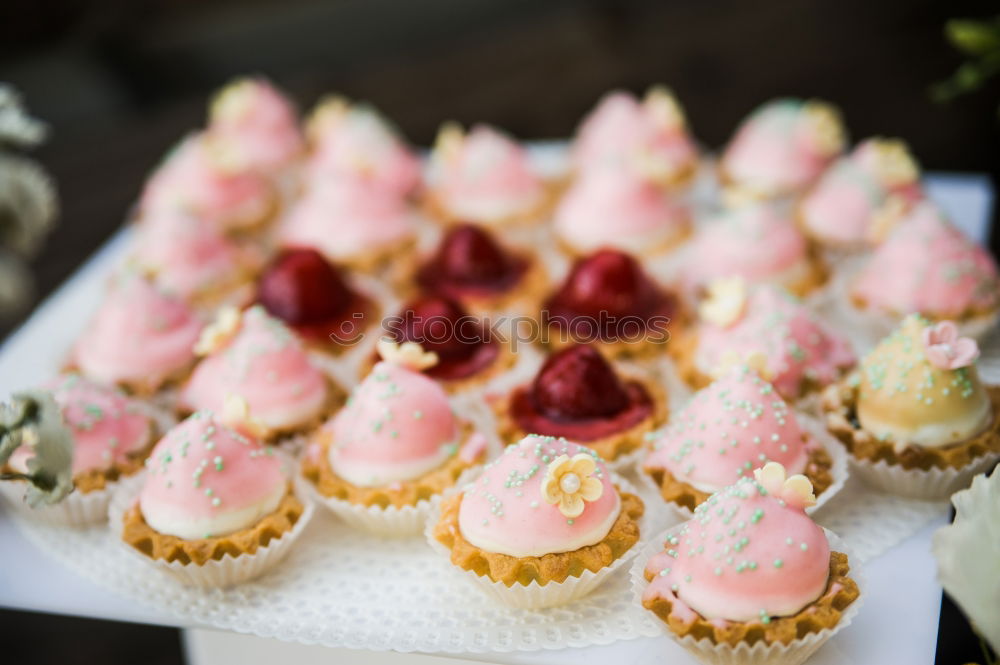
x=165, y=520
x=931, y=435
x=379, y=474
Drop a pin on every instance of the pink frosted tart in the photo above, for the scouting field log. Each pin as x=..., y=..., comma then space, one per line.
x=750, y=567
x=198, y=177
x=611, y=207
x=735, y=425
x=929, y=266
x=758, y=243
x=473, y=268
x=803, y=354
x=860, y=195
x=608, y=299
x=255, y=126
x=140, y=338
x=649, y=137
x=484, y=177
x=352, y=222
x=916, y=402
x=397, y=442
x=545, y=512
x=112, y=433
x=579, y=395
x=354, y=141
x=210, y=492
x=258, y=372
x=314, y=299
x=193, y=260
x=781, y=149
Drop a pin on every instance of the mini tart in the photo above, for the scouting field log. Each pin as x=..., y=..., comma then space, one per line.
x=839, y=404
x=558, y=567
x=314, y=299
x=802, y=354
x=613, y=285
x=610, y=435
x=317, y=470
x=472, y=268
x=818, y=470
x=490, y=175
x=823, y=613
x=159, y=546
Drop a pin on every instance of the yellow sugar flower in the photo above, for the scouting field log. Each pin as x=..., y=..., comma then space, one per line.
x=407, y=354
x=826, y=126
x=220, y=331
x=663, y=107
x=727, y=298
x=796, y=490
x=569, y=482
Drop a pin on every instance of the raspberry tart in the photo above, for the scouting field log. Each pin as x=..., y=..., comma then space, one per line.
x=579, y=395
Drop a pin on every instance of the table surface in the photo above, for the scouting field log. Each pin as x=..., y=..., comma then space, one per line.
x=897, y=624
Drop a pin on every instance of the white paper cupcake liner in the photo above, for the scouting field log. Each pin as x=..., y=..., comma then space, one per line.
x=536, y=596
x=226, y=572
x=840, y=469
x=931, y=485
x=391, y=521
x=77, y=509
x=793, y=653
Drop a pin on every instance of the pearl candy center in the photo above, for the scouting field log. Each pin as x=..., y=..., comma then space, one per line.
x=570, y=483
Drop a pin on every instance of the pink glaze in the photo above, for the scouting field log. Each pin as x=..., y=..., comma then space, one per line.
x=140, y=336
x=796, y=344
x=397, y=425
x=486, y=177
x=775, y=151
x=745, y=556
x=257, y=125
x=504, y=511
x=755, y=242
x=204, y=474
x=735, y=425
x=843, y=205
x=929, y=266
x=265, y=364
x=348, y=219
x=197, y=177
x=189, y=258
x=621, y=130
x=357, y=142
x=106, y=425
x=617, y=208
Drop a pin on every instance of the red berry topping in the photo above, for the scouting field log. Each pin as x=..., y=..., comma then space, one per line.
x=578, y=384
x=301, y=287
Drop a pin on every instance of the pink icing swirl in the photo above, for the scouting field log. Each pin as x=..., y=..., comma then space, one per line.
x=195, y=178
x=397, y=425
x=504, y=511
x=188, y=257
x=744, y=556
x=257, y=125
x=140, y=336
x=360, y=143
x=265, y=364
x=204, y=479
x=107, y=426
x=797, y=346
x=735, y=425
x=622, y=131
x=731, y=246
x=929, y=266
x=617, y=208
x=348, y=219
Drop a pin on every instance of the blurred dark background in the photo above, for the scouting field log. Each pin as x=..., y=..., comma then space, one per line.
x=121, y=80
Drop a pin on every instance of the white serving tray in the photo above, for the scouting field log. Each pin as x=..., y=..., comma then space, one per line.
x=899, y=622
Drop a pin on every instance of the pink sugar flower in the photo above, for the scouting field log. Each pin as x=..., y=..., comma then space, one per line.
x=946, y=350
